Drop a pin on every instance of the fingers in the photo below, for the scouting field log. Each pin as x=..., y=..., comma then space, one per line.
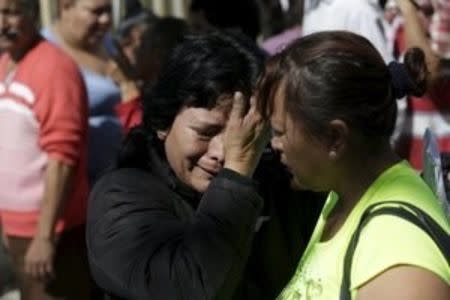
x=40, y=270
x=238, y=108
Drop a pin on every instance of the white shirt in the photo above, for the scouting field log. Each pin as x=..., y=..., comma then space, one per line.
x=364, y=17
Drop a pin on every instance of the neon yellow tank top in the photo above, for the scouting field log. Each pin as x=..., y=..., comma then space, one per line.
x=385, y=242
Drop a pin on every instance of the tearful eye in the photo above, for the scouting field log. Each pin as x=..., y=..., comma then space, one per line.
x=207, y=133
x=203, y=136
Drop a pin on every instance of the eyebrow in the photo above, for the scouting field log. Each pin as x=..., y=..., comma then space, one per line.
x=198, y=124
x=204, y=120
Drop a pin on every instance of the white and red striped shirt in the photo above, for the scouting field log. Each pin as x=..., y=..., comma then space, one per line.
x=43, y=114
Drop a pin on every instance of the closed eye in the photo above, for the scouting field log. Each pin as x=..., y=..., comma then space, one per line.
x=275, y=132
x=208, y=132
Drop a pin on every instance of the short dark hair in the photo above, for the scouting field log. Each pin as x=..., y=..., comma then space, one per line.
x=338, y=75
x=143, y=18
x=196, y=74
x=158, y=41
x=31, y=7
x=200, y=70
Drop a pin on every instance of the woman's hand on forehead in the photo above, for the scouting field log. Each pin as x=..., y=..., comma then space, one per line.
x=246, y=136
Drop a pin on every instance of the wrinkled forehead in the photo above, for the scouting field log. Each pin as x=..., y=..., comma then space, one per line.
x=209, y=116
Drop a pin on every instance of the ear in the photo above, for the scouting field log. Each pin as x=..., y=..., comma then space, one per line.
x=338, y=138
x=162, y=134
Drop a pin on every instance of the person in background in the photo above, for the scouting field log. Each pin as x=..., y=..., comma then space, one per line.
x=331, y=101
x=130, y=31
x=132, y=8
x=181, y=215
x=43, y=176
x=81, y=30
x=288, y=29
x=433, y=109
x=364, y=17
x=155, y=45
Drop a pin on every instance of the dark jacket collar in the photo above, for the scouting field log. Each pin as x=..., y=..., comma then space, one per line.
x=160, y=167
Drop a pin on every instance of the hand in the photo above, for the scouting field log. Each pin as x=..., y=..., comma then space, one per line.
x=245, y=137
x=39, y=258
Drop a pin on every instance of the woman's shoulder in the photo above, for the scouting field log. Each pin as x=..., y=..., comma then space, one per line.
x=388, y=241
x=127, y=186
x=126, y=177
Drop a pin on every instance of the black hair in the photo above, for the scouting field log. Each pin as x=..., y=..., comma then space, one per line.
x=133, y=8
x=339, y=75
x=157, y=42
x=197, y=73
x=230, y=14
x=144, y=18
x=31, y=7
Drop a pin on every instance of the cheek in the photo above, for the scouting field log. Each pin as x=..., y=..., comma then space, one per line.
x=195, y=151
x=83, y=21
x=186, y=149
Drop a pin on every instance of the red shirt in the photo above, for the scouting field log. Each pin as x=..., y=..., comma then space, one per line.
x=43, y=115
x=129, y=113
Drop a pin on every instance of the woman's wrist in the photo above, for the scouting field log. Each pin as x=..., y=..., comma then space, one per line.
x=245, y=169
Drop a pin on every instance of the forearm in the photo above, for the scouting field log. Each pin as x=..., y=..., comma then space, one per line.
x=57, y=183
x=416, y=36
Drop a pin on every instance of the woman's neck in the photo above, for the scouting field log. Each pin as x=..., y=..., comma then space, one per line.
x=359, y=174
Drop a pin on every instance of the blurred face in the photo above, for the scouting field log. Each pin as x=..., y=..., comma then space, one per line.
x=87, y=21
x=304, y=156
x=194, y=144
x=16, y=26
x=131, y=45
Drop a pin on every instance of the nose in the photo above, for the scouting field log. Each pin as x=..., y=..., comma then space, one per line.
x=216, y=149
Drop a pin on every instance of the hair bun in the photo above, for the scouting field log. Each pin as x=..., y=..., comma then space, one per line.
x=402, y=83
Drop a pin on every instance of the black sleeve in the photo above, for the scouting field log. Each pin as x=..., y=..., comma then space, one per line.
x=139, y=249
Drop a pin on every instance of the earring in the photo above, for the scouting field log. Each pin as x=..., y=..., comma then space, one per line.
x=333, y=154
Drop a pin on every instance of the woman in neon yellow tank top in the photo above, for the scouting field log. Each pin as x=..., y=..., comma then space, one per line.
x=332, y=104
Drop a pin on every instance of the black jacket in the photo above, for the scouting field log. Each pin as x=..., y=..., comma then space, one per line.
x=150, y=237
